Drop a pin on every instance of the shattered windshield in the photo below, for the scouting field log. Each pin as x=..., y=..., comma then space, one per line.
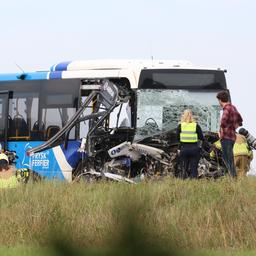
x=160, y=110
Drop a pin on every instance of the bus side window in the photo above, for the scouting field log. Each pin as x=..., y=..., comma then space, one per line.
x=23, y=112
x=51, y=131
x=38, y=131
x=20, y=127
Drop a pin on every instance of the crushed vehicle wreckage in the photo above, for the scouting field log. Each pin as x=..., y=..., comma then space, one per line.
x=127, y=154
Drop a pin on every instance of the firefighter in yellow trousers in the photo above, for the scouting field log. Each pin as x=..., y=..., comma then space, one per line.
x=242, y=154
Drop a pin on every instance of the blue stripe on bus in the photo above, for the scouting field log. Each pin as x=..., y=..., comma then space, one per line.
x=55, y=75
x=9, y=77
x=36, y=76
x=24, y=76
x=61, y=66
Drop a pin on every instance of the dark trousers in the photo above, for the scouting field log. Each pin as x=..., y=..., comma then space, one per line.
x=190, y=156
x=228, y=156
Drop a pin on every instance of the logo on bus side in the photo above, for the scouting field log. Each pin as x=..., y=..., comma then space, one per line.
x=40, y=159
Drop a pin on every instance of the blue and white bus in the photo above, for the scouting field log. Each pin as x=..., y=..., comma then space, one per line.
x=35, y=106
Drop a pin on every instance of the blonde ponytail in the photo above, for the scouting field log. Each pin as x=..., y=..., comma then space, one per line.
x=187, y=116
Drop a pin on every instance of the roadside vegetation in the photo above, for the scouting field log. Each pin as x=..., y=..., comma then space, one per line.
x=153, y=218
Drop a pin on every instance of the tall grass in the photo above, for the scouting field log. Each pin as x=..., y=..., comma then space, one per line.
x=187, y=215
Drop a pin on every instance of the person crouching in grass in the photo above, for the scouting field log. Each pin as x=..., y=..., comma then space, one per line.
x=7, y=175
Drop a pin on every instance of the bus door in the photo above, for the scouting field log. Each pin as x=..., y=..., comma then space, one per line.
x=4, y=105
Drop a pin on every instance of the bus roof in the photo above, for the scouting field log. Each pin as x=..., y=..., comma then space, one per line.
x=119, y=64
x=130, y=69
x=125, y=64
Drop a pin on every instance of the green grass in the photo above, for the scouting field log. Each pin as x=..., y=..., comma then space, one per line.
x=51, y=252
x=21, y=251
x=154, y=218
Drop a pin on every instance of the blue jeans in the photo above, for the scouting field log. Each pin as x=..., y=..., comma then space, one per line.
x=228, y=156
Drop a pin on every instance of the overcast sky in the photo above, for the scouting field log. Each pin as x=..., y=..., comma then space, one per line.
x=219, y=33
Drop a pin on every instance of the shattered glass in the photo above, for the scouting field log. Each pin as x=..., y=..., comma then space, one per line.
x=160, y=110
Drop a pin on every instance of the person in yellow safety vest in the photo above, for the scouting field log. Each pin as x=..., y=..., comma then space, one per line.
x=7, y=175
x=242, y=154
x=189, y=133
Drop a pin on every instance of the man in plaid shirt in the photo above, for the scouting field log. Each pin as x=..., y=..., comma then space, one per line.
x=230, y=121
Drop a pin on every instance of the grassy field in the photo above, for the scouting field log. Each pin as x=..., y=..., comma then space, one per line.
x=78, y=252
x=156, y=218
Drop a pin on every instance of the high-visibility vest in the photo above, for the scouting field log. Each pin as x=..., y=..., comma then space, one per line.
x=241, y=149
x=188, y=132
x=4, y=157
x=217, y=144
x=11, y=182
